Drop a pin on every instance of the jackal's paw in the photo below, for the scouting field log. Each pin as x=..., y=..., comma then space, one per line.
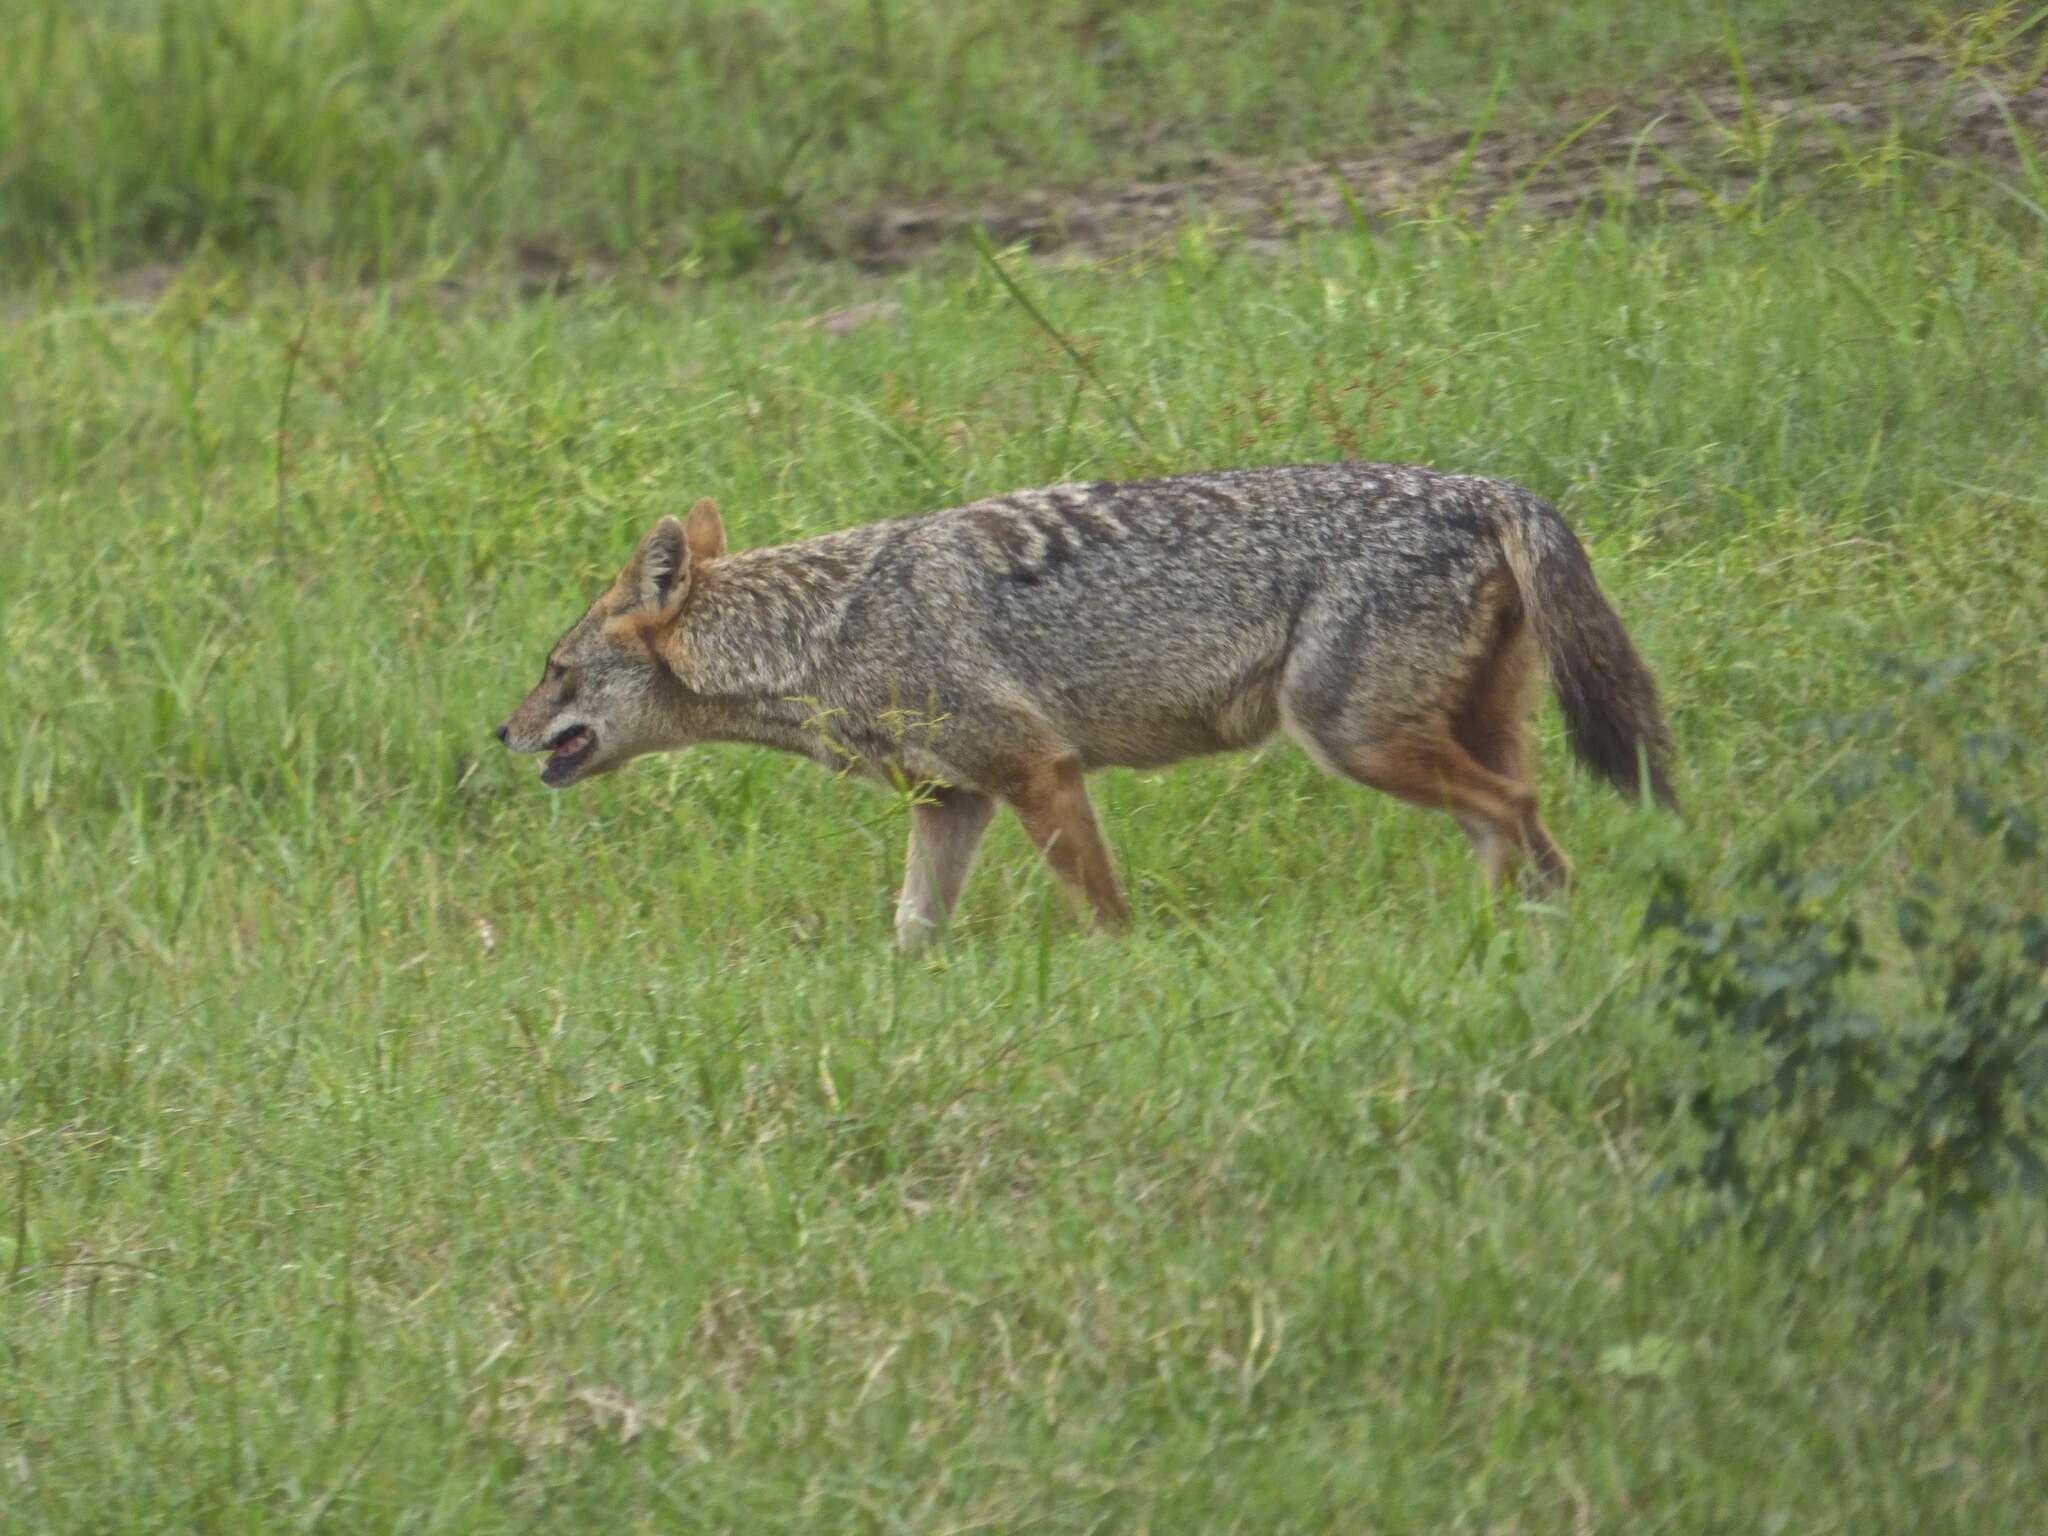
x=914, y=933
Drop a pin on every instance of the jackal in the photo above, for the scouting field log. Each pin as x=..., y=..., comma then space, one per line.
x=1386, y=617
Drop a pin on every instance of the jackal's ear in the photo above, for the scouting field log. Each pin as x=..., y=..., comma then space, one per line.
x=705, y=531
x=660, y=572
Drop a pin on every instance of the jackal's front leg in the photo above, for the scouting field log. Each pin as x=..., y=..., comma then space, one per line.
x=1052, y=802
x=944, y=832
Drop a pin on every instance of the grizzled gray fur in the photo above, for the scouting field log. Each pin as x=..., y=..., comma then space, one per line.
x=1384, y=616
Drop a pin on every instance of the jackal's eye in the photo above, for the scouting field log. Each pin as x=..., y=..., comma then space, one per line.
x=556, y=672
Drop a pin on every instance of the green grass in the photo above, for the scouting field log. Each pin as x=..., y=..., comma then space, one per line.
x=364, y=135
x=388, y=1144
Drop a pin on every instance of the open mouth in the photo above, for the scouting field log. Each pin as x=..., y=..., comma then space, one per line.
x=567, y=752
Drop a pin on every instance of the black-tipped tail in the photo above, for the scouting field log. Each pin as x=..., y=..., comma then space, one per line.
x=1609, y=700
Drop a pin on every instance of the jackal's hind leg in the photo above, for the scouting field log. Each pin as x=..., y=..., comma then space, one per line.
x=1496, y=854
x=945, y=830
x=1430, y=768
x=1051, y=800
x=1492, y=724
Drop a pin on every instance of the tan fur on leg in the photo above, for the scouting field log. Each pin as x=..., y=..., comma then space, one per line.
x=1052, y=803
x=1491, y=724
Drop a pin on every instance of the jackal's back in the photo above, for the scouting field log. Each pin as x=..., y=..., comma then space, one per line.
x=1148, y=620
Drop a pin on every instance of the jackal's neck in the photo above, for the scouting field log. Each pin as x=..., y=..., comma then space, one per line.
x=755, y=638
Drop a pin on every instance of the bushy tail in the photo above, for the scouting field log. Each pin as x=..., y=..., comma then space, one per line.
x=1608, y=697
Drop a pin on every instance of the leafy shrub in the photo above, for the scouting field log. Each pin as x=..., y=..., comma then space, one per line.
x=1909, y=1084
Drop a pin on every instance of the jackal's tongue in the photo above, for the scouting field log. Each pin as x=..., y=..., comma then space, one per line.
x=572, y=743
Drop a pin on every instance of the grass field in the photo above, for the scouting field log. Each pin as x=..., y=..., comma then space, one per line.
x=385, y=132
x=389, y=1144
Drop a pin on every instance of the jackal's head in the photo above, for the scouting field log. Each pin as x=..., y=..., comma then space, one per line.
x=607, y=694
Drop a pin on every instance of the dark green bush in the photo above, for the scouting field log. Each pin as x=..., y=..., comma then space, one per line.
x=1908, y=1084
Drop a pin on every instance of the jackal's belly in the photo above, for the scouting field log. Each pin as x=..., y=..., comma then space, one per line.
x=1151, y=732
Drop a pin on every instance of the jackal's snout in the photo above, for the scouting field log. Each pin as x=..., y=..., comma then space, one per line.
x=544, y=723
